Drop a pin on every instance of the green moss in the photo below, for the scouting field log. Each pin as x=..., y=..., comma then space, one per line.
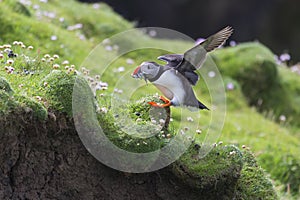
x=7, y=103
x=254, y=67
x=59, y=90
x=253, y=183
x=219, y=169
x=39, y=111
x=139, y=124
x=12, y=103
x=18, y=7
x=4, y=85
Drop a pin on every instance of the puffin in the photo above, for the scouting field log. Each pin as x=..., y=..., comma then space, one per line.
x=176, y=78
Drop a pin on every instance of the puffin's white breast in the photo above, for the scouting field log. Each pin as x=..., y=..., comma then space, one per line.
x=171, y=86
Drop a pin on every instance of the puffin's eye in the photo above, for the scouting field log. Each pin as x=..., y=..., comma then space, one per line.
x=148, y=66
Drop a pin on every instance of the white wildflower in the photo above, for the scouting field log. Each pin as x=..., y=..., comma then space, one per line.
x=55, y=66
x=189, y=119
x=9, y=62
x=282, y=118
x=129, y=61
x=55, y=56
x=211, y=74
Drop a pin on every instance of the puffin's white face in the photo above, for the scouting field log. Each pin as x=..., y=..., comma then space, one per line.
x=149, y=69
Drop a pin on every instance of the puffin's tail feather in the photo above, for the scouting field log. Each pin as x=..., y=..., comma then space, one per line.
x=202, y=106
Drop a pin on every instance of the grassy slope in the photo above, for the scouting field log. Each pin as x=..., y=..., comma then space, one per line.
x=274, y=144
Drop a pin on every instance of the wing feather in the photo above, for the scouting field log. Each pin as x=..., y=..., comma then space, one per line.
x=195, y=57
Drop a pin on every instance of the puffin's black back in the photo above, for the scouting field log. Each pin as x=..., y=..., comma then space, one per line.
x=202, y=106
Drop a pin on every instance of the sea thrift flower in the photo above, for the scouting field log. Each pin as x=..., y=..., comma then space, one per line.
x=9, y=62
x=65, y=62
x=15, y=43
x=38, y=98
x=51, y=59
x=121, y=69
x=211, y=74
x=21, y=85
x=30, y=47
x=189, y=119
x=23, y=46
x=53, y=37
x=1, y=55
x=285, y=57
x=232, y=43
x=198, y=131
x=43, y=60
x=47, y=56
x=152, y=33
x=10, y=69
x=96, y=6
x=7, y=46
x=230, y=86
x=282, y=118
x=106, y=41
x=162, y=121
x=55, y=66
x=7, y=51
x=186, y=128
x=55, y=56
x=36, y=7
x=129, y=61
x=108, y=48
x=103, y=110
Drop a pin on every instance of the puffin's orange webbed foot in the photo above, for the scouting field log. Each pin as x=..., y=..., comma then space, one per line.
x=164, y=99
x=166, y=104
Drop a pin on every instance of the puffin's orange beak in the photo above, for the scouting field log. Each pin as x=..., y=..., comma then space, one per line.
x=136, y=72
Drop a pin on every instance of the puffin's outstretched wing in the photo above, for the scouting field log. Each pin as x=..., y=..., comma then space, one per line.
x=195, y=57
x=192, y=59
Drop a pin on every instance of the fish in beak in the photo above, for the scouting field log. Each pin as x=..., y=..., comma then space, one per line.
x=137, y=73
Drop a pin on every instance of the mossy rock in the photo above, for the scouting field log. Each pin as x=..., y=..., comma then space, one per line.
x=7, y=103
x=30, y=105
x=18, y=103
x=4, y=85
x=224, y=173
x=253, y=182
x=127, y=128
x=216, y=173
x=253, y=65
x=59, y=90
x=263, y=84
x=19, y=7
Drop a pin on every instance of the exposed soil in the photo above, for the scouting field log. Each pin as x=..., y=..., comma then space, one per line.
x=48, y=161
